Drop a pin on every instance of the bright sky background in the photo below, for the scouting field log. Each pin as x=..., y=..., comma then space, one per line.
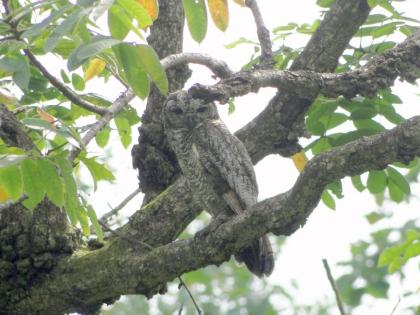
x=327, y=233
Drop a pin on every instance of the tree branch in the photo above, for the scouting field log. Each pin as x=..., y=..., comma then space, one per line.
x=281, y=123
x=219, y=67
x=267, y=60
x=67, y=92
x=333, y=286
x=115, y=210
x=380, y=72
x=12, y=131
x=112, y=111
x=133, y=270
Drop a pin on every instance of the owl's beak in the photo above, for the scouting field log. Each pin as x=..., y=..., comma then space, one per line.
x=190, y=121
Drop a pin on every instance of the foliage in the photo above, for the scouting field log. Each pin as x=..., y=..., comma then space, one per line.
x=70, y=35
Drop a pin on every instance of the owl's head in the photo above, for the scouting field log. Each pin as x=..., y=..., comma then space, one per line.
x=181, y=111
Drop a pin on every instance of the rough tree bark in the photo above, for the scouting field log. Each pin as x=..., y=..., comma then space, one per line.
x=45, y=268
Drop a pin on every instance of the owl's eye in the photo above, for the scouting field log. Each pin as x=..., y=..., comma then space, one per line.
x=177, y=110
x=201, y=109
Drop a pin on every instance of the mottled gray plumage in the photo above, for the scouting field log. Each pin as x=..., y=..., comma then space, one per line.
x=217, y=166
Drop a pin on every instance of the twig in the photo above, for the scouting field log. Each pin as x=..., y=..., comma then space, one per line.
x=180, y=309
x=395, y=307
x=113, y=110
x=219, y=67
x=67, y=92
x=182, y=283
x=116, y=76
x=123, y=203
x=334, y=286
x=267, y=60
x=115, y=233
x=6, y=7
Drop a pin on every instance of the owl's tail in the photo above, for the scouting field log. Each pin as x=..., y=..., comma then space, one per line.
x=258, y=257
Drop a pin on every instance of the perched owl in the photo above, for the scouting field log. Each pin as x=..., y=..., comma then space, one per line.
x=217, y=166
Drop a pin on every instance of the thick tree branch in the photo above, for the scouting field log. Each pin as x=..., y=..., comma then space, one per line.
x=219, y=67
x=381, y=71
x=12, y=131
x=152, y=156
x=280, y=125
x=137, y=270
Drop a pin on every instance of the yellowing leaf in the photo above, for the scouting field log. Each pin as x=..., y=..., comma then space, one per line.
x=46, y=117
x=240, y=2
x=300, y=160
x=219, y=13
x=96, y=66
x=152, y=8
x=4, y=196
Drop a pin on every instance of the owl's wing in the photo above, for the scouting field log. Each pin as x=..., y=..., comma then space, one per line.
x=222, y=153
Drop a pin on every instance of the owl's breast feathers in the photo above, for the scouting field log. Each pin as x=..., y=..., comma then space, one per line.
x=225, y=157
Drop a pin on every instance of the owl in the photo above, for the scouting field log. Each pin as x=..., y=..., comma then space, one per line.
x=217, y=167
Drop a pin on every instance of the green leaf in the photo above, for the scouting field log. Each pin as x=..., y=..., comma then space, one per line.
x=398, y=179
x=10, y=159
x=373, y=3
x=231, y=108
x=350, y=136
x=336, y=188
x=152, y=65
x=36, y=29
x=374, y=217
x=363, y=113
x=320, y=145
x=196, y=15
x=357, y=183
x=67, y=174
x=11, y=181
x=241, y=40
x=325, y=3
x=412, y=250
x=64, y=76
x=328, y=200
x=102, y=137
x=37, y=124
x=93, y=218
x=33, y=188
x=124, y=130
x=137, y=11
x=334, y=120
x=367, y=124
x=377, y=181
x=391, y=115
x=52, y=181
x=83, y=219
x=77, y=82
x=384, y=30
x=395, y=192
x=135, y=74
x=97, y=170
x=119, y=23
x=19, y=66
x=72, y=207
x=85, y=51
x=375, y=18
x=64, y=28
x=100, y=8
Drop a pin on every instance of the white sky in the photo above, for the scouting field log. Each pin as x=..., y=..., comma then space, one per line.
x=327, y=233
